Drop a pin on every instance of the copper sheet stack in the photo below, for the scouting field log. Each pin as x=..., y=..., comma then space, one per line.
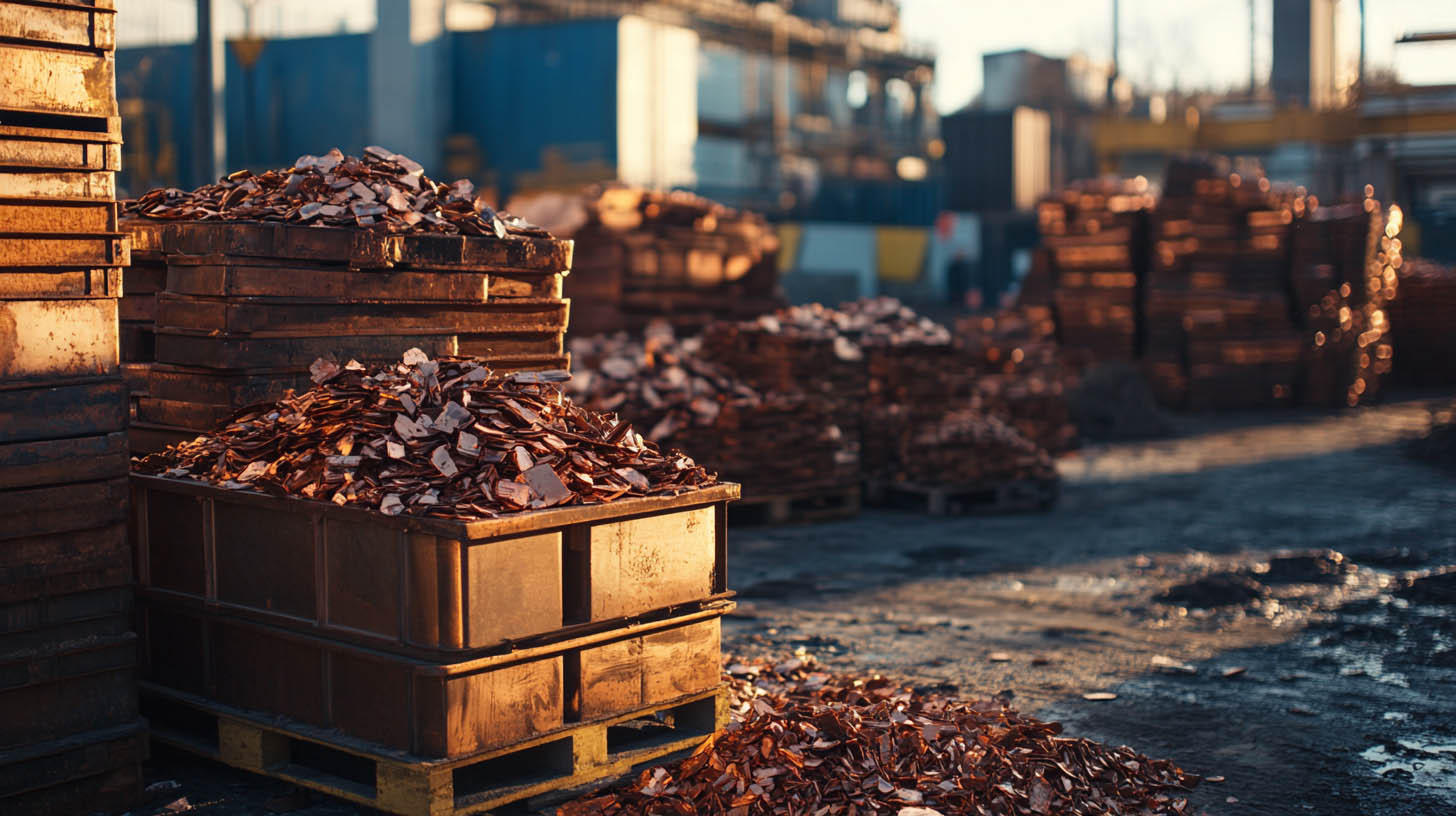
x=647, y=255
x=771, y=441
x=1420, y=319
x=70, y=736
x=341, y=257
x=1094, y=233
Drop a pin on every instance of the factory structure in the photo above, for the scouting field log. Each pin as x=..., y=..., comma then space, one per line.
x=816, y=113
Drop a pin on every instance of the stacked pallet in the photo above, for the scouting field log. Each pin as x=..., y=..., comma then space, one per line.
x=1020, y=376
x=247, y=305
x=1093, y=233
x=1420, y=319
x=70, y=737
x=649, y=255
x=533, y=604
x=780, y=444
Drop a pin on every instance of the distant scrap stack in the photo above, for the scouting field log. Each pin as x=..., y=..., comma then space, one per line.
x=71, y=740
x=1094, y=234
x=773, y=441
x=1242, y=295
x=1420, y=320
x=647, y=255
x=1219, y=324
x=1021, y=377
x=336, y=256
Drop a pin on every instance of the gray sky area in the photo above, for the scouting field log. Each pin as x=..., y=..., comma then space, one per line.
x=1190, y=44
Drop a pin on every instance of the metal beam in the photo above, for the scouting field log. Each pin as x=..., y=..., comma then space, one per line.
x=1427, y=37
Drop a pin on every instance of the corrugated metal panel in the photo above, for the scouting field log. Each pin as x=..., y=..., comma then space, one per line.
x=538, y=98
x=722, y=96
x=287, y=105
x=154, y=92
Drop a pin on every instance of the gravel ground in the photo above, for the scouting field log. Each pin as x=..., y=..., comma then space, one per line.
x=1316, y=689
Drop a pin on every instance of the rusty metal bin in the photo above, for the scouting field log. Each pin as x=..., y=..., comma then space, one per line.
x=433, y=588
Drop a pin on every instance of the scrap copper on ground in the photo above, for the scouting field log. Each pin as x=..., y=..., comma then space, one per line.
x=807, y=742
x=445, y=438
x=380, y=190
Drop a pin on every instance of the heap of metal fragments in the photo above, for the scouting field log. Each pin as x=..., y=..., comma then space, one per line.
x=1022, y=377
x=648, y=255
x=379, y=190
x=804, y=741
x=770, y=441
x=445, y=438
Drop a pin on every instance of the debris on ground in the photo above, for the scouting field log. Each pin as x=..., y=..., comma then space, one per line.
x=380, y=190
x=1437, y=588
x=804, y=741
x=446, y=438
x=1213, y=591
x=1328, y=567
x=1113, y=402
x=1438, y=446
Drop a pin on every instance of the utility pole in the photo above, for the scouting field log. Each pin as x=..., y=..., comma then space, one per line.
x=209, y=127
x=1252, y=83
x=1360, y=71
x=1112, y=77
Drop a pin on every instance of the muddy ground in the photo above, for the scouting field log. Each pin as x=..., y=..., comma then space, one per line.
x=1238, y=588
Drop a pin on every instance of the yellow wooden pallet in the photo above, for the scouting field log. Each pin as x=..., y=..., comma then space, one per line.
x=395, y=782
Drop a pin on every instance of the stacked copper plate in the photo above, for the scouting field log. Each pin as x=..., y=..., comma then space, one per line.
x=337, y=256
x=70, y=738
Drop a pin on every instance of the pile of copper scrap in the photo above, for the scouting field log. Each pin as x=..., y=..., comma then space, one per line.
x=807, y=742
x=1022, y=377
x=769, y=441
x=968, y=447
x=380, y=190
x=1420, y=320
x=645, y=255
x=445, y=438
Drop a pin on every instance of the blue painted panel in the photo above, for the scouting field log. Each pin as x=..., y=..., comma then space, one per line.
x=154, y=87
x=532, y=94
x=303, y=95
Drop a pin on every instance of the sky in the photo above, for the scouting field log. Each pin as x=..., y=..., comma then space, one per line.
x=1190, y=44
x=1187, y=43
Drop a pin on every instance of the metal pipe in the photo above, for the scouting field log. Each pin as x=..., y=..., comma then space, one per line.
x=209, y=126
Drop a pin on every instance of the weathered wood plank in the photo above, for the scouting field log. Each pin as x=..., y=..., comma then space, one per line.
x=66, y=217
x=57, y=184
x=61, y=283
x=651, y=562
x=338, y=284
x=58, y=338
x=47, y=80
x=64, y=250
x=66, y=25
x=58, y=411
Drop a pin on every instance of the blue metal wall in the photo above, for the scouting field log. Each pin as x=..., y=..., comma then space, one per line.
x=154, y=87
x=521, y=89
x=302, y=96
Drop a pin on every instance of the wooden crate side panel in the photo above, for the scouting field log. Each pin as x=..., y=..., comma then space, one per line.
x=264, y=560
x=363, y=569
x=173, y=546
x=245, y=352
x=61, y=338
x=57, y=184
x=68, y=250
x=344, y=284
x=254, y=669
x=370, y=699
x=651, y=562
x=48, y=462
x=71, y=218
x=649, y=669
x=280, y=316
x=60, y=284
x=76, y=26
x=59, y=509
x=45, y=80
x=28, y=562
x=513, y=588
x=503, y=706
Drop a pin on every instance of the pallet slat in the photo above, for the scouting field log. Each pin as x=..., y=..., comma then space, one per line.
x=58, y=338
x=75, y=26
x=60, y=284
x=50, y=80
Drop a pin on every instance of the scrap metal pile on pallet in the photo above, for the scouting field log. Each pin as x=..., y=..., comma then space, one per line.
x=428, y=589
x=1229, y=292
x=70, y=737
x=647, y=255
x=1420, y=323
x=778, y=442
x=336, y=256
x=819, y=401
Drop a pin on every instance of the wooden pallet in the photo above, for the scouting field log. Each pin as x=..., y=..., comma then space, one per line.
x=1014, y=496
x=797, y=507
x=399, y=783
